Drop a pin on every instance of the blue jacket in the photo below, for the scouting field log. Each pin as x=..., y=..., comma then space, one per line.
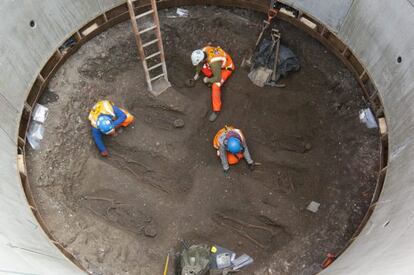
x=97, y=135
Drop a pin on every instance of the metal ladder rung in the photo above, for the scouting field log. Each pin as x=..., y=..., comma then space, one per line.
x=150, y=43
x=158, y=76
x=148, y=29
x=143, y=14
x=155, y=66
x=152, y=55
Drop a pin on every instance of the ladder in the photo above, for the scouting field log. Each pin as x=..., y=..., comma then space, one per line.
x=151, y=52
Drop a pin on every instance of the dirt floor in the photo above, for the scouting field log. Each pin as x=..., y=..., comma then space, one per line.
x=166, y=181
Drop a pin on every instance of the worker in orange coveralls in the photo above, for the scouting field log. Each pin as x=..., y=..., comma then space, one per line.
x=217, y=66
x=231, y=147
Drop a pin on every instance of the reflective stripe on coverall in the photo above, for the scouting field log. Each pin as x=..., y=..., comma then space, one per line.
x=226, y=157
x=121, y=117
x=216, y=55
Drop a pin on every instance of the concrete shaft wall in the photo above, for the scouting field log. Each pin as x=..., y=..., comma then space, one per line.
x=377, y=32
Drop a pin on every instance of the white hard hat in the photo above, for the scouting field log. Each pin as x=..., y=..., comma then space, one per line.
x=197, y=56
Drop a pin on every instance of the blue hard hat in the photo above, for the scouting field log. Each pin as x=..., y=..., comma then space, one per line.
x=234, y=145
x=105, y=124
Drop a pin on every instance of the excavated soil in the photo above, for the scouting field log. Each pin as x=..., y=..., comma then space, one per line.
x=161, y=184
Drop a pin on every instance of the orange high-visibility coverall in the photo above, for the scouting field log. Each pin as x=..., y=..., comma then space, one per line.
x=226, y=157
x=217, y=57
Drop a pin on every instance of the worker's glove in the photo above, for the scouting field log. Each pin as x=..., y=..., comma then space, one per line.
x=196, y=77
x=251, y=166
x=104, y=153
x=226, y=171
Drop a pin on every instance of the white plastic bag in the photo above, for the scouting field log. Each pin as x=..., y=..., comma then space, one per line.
x=40, y=113
x=35, y=134
x=366, y=117
x=182, y=12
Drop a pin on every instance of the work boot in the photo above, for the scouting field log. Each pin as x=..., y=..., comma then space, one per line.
x=213, y=116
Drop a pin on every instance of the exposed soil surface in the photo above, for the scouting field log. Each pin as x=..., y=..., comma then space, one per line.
x=161, y=184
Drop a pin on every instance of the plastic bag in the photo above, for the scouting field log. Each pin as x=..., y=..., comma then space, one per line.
x=35, y=134
x=40, y=113
x=182, y=12
x=366, y=117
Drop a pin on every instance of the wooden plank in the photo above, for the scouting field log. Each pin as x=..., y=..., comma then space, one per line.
x=21, y=142
x=21, y=164
x=382, y=126
x=117, y=11
x=89, y=29
x=308, y=23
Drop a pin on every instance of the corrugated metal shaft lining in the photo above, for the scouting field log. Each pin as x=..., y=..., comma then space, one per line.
x=373, y=38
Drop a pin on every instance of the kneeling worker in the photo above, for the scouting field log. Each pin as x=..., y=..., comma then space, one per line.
x=217, y=66
x=105, y=118
x=231, y=147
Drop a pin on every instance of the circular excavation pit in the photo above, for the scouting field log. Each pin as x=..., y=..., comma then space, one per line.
x=162, y=183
